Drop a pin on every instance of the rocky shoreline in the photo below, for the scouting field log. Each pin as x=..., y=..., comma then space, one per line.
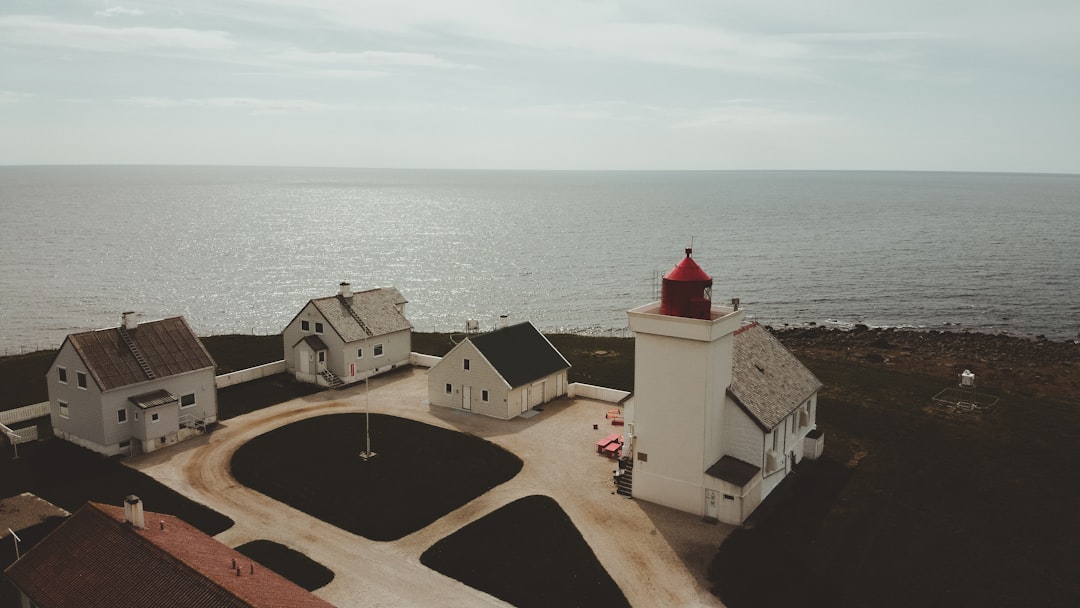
x=1037, y=367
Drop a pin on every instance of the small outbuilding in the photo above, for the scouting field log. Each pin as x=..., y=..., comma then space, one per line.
x=345, y=338
x=133, y=388
x=502, y=374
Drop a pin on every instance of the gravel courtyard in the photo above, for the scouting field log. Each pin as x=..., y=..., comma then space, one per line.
x=657, y=556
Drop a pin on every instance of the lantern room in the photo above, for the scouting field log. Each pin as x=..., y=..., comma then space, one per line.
x=686, y=290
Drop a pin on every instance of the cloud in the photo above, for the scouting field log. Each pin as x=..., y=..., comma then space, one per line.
x=369, y=58
x=251, y=104
x=120, y=10
x=741, y=114
x=14, y=97
x=32, y=30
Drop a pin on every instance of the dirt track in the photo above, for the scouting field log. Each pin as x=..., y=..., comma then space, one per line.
x=656, y=555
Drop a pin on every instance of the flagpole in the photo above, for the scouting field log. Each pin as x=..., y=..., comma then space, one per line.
x=367, y=454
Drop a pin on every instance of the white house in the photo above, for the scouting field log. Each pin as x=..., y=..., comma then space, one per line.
x=721, y=411
x=345, y=338
x=132, y=388
x=502, y=374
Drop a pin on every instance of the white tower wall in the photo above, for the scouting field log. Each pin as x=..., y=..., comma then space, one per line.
x=681, y=373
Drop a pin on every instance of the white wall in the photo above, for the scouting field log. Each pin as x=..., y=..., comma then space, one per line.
x=251, y=373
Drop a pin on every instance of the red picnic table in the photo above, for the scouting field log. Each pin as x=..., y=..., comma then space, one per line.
x=610, y=445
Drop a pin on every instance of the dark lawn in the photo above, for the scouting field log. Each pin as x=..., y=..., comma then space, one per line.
x=68, y=476
x=940, y=510
x=420, y=473
x=234, y=352
x=289, y=563
x=527, y=553
x=249, y=396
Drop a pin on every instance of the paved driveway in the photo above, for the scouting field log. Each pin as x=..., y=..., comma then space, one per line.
x=657, y=556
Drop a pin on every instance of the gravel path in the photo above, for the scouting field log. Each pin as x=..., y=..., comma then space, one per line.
x=657, y=556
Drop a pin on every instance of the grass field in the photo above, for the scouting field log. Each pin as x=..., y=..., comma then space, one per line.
x=527, y=553
x=289, y=563
x=917, y=507
x=421, y=472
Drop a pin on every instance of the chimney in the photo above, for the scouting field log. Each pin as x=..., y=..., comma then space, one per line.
x=735, y=303
x=127, y=320
x=345, y=290
x=133, y=512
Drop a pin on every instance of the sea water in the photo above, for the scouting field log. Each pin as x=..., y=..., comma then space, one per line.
x=241, y=250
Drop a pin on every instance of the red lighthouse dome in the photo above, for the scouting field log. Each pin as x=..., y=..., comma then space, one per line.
x=686, y=290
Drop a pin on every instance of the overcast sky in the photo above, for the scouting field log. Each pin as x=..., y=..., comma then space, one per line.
x=551, y=84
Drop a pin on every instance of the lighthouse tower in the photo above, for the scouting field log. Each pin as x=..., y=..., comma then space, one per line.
x=682, y=370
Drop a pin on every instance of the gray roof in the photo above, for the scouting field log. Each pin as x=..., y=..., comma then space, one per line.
x=767, y=381
x=733, y=470
x=365, y=314
x=168, y=347
x=520, y=353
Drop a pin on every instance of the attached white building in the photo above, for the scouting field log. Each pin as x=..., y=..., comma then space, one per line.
x=133, y=388
x=720, y=411
x=502, y=374
x=345, y=338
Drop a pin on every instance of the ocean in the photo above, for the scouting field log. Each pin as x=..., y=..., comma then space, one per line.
x=241, y=250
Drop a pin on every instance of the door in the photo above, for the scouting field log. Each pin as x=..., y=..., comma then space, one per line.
x=303, y=361
x=536, y=394
x=524, y=400
x=712, y=504
x=321, y=357
x=466, y=397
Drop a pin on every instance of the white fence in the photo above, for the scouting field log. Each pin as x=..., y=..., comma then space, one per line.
x=22, y=414
x=598, y=393
x=251, y=373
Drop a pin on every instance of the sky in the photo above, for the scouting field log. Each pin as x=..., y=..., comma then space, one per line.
x=943, y=85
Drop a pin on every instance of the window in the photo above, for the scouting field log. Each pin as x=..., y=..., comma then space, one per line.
x=378, y=350
x=187, y=400
x=318, y=327
x=484, y=396
x=305, y=325
x=80, y=379
x=155, y=417
x=322, y=356
x=64, y=411
x=61, y=375
x=136, y=416
x=465, y=364
x=121, y=416
x=125, y=444
x=449, y=388
x=359, y=353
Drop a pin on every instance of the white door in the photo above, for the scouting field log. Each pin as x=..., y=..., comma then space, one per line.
x=466, y=397
x=536, y=394
x=712, y=504
x=524, y=400
x=303, y=361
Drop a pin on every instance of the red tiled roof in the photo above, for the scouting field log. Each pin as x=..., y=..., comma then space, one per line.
x=96, y=560
x=168, y=346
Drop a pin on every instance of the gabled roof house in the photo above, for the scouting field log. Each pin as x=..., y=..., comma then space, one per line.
x=103, y=557
x=503, y=373
x=721, y=411
x=345, y=338
x=132, y=388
